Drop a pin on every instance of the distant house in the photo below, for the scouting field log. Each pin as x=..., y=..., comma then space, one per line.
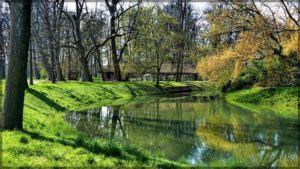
x=168, y=73
x=108, y=74
x=130, y=72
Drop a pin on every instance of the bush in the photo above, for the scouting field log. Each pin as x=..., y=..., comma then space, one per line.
x=249, y=76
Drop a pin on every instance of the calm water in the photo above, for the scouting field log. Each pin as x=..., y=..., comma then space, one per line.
x=196, y=129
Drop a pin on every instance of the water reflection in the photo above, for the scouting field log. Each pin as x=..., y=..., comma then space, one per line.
x=198, y=129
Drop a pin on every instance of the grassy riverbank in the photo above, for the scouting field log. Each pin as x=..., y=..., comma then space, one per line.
x=282, y=101
x=48, y=141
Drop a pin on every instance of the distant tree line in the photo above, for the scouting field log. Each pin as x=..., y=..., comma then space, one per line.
x=45, y=40
x=82, y=42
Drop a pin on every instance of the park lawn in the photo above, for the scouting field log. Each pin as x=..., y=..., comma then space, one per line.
x=282, y=101
x=48, y=141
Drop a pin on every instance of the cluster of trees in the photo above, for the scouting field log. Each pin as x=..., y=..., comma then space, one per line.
x=46, y=40
x=165, y=34
x=83, y=41
x=252, y=43
x=237, y=43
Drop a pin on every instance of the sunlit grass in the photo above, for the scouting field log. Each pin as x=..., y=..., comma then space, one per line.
x=48, y=141
x=282, y=101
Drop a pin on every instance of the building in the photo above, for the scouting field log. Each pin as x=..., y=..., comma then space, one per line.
x=167, y=73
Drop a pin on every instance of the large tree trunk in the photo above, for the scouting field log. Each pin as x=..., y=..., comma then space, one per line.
x=117, y=70
x=86, y=74
x=50, y=41
x=60, y=76
x=56, y=37
x=17, y=65
x=182, y=15
x=100, y=64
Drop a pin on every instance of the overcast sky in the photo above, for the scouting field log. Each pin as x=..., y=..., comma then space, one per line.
x=198, y=7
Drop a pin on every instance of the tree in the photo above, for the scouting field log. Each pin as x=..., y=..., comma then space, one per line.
x=186, y=32
x=116, y=12
x=83, y=52
x=17, y=64
x=155, y=39
x=94, y=32
x=248, y=41
x=52, y=16
x=38, y=35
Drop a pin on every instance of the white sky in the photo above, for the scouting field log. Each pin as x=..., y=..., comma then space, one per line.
x=198, y=7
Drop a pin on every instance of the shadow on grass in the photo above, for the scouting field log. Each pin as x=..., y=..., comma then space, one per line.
x=45, y=99
x=132, y=90
x=135, y=89
x=109, y=148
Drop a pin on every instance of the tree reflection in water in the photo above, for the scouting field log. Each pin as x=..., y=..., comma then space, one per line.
x=199, y=129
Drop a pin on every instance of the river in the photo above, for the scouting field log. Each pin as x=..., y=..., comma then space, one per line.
x=198, y=130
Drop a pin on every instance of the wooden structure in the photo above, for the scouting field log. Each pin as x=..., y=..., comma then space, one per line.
x=168, y=71
x=108, y=75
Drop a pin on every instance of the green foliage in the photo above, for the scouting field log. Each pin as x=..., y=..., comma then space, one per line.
x=254, y=73
x=153, y=45
x=43, y=72
x=259, y=55
x=282, y=100
x=48, y=141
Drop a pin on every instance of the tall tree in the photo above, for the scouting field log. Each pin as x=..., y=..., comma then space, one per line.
x=53, y=19
x=116, y=11
x=185, y=29
x=39, y=34
x=83, y=52
x=17, y=65
x=153, y=45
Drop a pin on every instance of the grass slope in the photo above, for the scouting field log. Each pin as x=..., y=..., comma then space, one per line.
x=283, y=100
x=48, y=141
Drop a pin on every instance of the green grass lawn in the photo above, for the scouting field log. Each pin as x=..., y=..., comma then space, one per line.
x=48, y=141
x=282, y=101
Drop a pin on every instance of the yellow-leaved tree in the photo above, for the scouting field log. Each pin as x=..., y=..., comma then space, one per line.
x=221, y=67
